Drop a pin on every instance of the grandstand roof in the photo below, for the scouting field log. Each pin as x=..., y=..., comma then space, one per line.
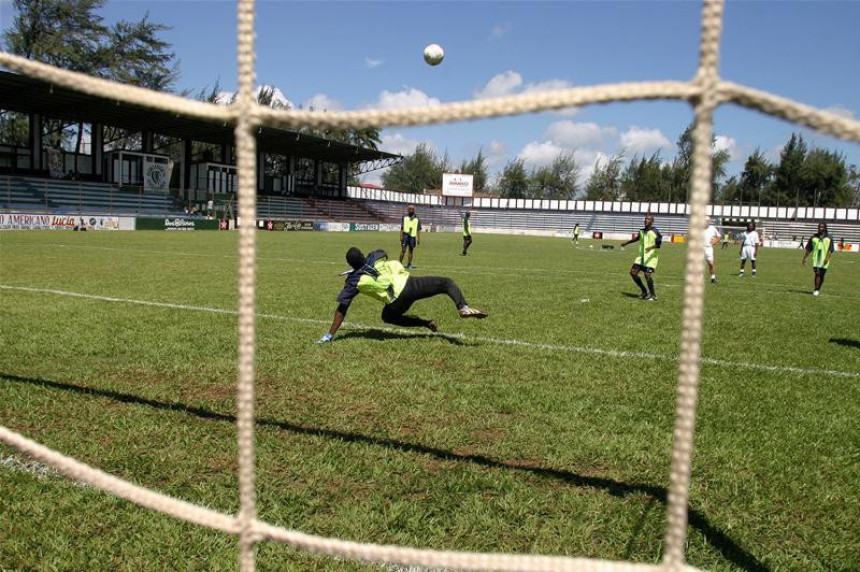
x=28, y=95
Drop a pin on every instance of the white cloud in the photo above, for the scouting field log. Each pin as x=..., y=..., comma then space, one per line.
x=373, y=177
x=774, y=153
x=496, y=154
x=399, y=144
x=548, y=85
x=322, y=102
x=570, y=134
x=587, y=160
x=499, y=31
x=409, y=97
x=226, y=97
x=371, y=63
x=841, y=111
x=540, y=153
x=638, y=140
x=511, y=83
x=277, y=96
x=726, y=143
x=500, y=85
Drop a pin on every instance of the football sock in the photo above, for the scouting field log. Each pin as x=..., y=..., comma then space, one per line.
x=639, y=283
x=650, y=285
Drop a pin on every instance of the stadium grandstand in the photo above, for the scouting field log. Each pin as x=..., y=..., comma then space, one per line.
x=140, y=161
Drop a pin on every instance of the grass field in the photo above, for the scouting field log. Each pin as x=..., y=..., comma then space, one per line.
x=543, y=429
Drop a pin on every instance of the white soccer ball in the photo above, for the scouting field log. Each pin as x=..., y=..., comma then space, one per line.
x=434, y=54
x=590, y=246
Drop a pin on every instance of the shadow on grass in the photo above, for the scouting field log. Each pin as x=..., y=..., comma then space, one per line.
x=382, y=336
x=846, y=342
x=631, y=295
x=728, y=548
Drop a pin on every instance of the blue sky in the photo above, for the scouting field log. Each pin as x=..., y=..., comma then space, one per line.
x=354, y=55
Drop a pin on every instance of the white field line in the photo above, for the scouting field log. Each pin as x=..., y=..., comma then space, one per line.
x=725, y=277
x=35, y=468
x=489, y=340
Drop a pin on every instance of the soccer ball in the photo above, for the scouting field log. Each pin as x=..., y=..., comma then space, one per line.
x=590, y=246
x=434, y=54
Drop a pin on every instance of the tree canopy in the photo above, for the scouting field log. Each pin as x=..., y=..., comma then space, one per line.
x=70, y=34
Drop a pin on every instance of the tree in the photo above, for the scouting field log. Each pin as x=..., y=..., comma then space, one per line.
x=854, y=185
x=476, y=167
x=605, y=182
x=788, y=183
x=139, y=57
x=69, y=34
x=367, y=137
x=755, y=179
x=647, y=179
x=556, y=181
x=64, y=33
x=682, y=166
x=728, y=191
x=417, y=172
x=824, y=179
x=14, y=128
x=514, y=180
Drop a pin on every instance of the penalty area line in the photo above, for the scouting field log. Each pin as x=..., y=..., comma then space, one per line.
x=620, y=354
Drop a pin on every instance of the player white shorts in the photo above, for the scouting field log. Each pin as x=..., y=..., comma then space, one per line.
x=709, y=253
x=748, y=252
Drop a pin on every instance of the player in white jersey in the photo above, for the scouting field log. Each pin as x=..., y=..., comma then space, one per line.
x=750, y=241
x=712, y=236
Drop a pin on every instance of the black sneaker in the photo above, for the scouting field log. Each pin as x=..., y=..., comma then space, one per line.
x=644, y=296
x=713, y=280
x=652, y=298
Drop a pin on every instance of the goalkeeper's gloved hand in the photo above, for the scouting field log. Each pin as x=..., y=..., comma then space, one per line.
x=325, y=338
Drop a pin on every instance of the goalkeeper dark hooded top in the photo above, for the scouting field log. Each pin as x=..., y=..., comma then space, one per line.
x=379, y=278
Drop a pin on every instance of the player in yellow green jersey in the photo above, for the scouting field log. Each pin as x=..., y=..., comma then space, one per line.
x=410, y=234
x=467, y=233
x=650, y=240
x=820, y=246
x=390, y=283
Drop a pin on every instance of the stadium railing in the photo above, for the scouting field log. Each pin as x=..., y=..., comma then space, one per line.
x=79, y=197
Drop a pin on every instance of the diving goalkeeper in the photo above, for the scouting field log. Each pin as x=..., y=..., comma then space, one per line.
x=390, y=283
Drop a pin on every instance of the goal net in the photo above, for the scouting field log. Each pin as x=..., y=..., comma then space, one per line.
x=705, y=93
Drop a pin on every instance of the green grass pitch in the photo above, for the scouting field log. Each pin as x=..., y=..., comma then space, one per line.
x=544, y=429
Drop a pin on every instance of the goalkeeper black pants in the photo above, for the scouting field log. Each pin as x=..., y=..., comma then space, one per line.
x=419, y=288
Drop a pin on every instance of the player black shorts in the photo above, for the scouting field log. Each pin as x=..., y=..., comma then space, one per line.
x=406, y=240
x=645, y=269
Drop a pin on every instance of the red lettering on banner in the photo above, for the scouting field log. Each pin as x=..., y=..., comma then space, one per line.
x=63, y=221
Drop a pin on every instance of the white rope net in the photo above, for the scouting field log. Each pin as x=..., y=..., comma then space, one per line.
x=704, y=93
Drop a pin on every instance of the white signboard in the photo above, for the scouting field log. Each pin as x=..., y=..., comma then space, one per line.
x=457, y=185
